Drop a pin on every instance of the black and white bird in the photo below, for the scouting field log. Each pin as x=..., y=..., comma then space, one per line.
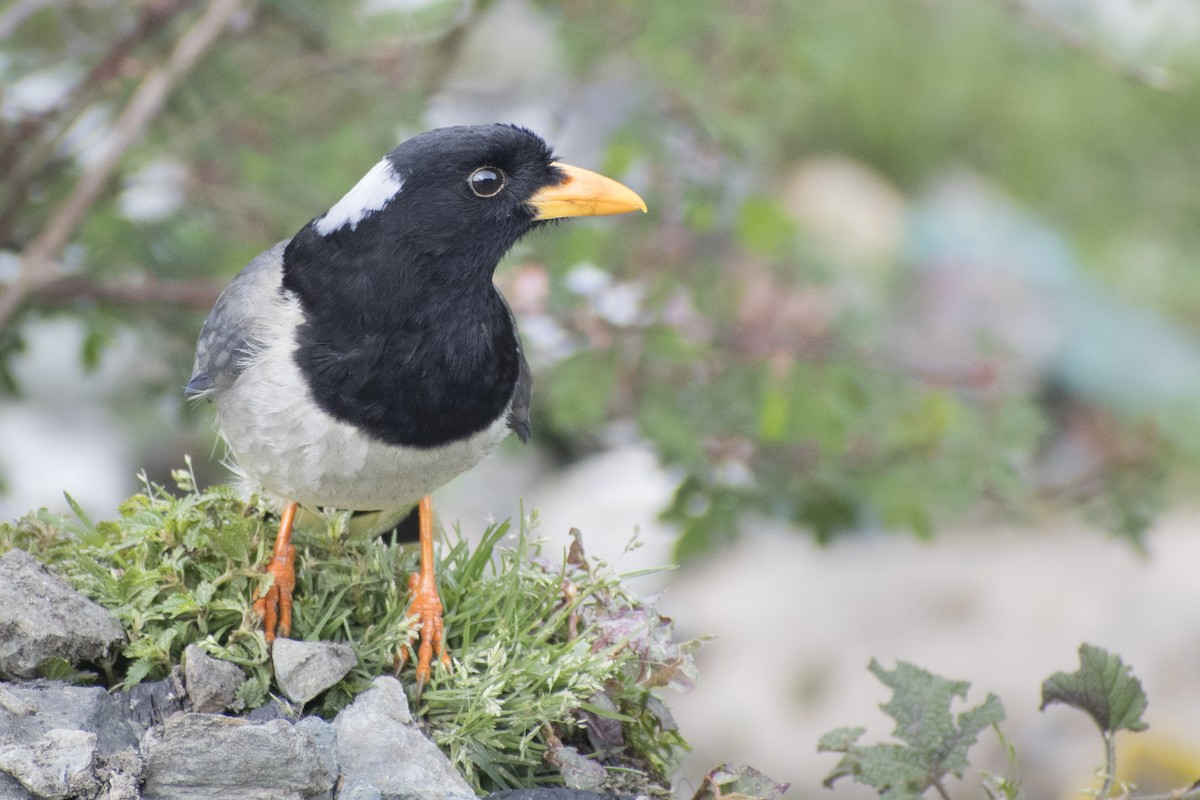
x=369, y=359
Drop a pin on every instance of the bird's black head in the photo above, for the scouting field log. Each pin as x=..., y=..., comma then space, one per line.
x=443, y=208
x=404, y=335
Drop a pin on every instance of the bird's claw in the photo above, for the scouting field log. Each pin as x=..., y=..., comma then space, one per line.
x=275, y=604
x=426, y=606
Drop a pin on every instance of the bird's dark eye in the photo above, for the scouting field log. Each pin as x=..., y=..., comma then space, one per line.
x=486, y=181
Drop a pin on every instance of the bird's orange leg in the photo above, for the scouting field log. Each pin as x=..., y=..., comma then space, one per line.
x=426, y=604
x=275, y=605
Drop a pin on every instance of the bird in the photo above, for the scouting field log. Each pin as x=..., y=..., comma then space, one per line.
x=370, y=359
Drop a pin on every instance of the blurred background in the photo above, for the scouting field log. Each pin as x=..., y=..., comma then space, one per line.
x=904, y=362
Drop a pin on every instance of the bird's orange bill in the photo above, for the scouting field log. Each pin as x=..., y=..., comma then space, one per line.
x=584, y=193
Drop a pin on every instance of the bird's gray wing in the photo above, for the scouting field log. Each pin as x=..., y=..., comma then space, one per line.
x=226, y=338
x=518, y=412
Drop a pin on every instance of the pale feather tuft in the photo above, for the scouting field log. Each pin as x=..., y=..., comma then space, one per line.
x=374, y=191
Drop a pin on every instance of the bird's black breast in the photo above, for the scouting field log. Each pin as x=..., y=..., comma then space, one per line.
x=407, y=364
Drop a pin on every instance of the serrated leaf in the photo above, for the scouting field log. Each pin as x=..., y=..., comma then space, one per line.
x=839, y=740
x=1104, y=687
x=971, y=723
x=920, y=703
x=898, y=772
x=936, y=741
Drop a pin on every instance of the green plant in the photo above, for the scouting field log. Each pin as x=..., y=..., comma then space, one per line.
x=546, y=653
x=935, y=742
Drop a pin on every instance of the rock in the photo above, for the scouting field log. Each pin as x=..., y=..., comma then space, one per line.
x=274, y=708
x=51, y=706
x=212, y=684
x=11, y=789
x=120, y=776
x=305, y=669
x=210, y=757
x=325, y=738
x=42, y=617
x=351, y=789
x=555, y=793
x=378, y=745
x=150, y=704
x=58, y=765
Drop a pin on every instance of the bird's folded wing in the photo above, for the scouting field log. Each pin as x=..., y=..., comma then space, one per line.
x=518, y=410
x=227, y=336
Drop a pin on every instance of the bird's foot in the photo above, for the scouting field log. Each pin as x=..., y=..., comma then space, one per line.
x=275, y=605
x=426, y=606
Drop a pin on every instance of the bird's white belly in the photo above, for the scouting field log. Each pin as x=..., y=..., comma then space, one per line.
x=289, y=448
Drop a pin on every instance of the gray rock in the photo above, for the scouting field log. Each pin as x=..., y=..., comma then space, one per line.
x=56, y=766
x=212, y=684
x=352, y=789
x=325, y=738
x=150, y=704
x=42, y=617
x=305, y=669
x=378, y=745
x=119, y=776
x=275, y=708
x=11, y=789
x=48, y=705
x=210, y=757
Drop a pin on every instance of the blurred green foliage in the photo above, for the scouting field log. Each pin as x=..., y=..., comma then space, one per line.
x=757, y=413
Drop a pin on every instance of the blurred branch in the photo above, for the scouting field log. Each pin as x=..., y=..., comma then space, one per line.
x=197, y=295
x=48, y=128
x=38, y=267
x=1154, y=77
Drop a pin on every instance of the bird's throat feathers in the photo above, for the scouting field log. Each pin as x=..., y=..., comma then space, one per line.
x=412, y=352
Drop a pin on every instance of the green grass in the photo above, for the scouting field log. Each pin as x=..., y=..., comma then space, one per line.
x=539, y=645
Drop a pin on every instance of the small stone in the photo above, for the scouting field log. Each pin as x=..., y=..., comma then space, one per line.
x=56, y=766
x=211, y=757
x=305, y=669
x=150, y=704
x=378, y=745
x=274, y=708
x=212, y=684
x=42, y=617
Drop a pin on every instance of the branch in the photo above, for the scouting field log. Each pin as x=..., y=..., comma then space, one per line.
x=52, y=124
x=1154, y=77
x=199, y=295
x=1186, y=793
x=38, y=267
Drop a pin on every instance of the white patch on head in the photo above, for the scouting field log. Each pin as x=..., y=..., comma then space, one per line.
x=371, y=194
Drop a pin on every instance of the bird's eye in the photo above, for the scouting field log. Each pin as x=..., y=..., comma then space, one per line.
x=486, y=181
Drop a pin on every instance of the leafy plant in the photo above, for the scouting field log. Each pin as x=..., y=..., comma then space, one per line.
x=1104, y=688
x=546, y=653
x=936, y=742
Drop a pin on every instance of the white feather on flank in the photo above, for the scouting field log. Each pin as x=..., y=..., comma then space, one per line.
x=374, y=191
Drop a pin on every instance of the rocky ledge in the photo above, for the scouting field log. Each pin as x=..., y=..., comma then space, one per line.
x=169, y=740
